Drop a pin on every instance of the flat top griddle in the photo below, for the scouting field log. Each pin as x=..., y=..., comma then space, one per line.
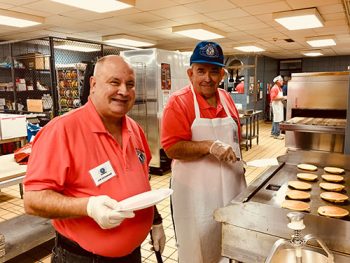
x=273, y=191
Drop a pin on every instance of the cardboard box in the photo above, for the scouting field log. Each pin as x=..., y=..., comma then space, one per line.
x=35, y=105
x=35, y=61
x=12, y=126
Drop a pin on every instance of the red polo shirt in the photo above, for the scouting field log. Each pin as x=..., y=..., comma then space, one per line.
x=64, y=152
x=274, y=92
x=179, y=114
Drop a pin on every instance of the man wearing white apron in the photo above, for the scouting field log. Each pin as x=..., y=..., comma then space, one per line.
x=201, y=132
x=277, y=106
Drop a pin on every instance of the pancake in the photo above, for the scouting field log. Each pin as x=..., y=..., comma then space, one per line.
x=332, y=178
x=334, y=197
x=295, y=205
x=298, y=195
x=334, y=170
x=307, y=167
x=332, y=211
x=307, y=176
x=299, y=185
x=332, y=187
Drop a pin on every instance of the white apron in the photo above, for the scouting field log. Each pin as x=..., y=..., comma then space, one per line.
x=277, y=109
x=203, y=185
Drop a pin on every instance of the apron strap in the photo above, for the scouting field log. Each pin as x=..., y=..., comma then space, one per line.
x=196, y=106
x=223, y=102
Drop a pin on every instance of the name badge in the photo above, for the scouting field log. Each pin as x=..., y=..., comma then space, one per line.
x=102, y=173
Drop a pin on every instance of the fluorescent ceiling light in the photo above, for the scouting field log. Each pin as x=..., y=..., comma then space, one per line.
x=101, y=6
x=249, y=49
x=299, y=19
x=16, y=19
x=198, y=31
x=312, y=53
x=321, y=41
x=82, y=47
x=126, y=40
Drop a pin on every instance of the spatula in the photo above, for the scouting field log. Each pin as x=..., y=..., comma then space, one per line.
x=260, y=162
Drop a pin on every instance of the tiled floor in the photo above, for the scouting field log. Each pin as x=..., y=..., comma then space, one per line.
x=11, y=205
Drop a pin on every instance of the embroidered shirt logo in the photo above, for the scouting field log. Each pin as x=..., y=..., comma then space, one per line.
x=141, y=155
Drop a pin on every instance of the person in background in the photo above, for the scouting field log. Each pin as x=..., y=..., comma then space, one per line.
x=277, y=99
x=83, y=163
x=201, y=132
x=240, y=86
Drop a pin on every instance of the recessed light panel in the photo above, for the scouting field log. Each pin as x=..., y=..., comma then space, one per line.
x=312, y=53
x=126, y=40
x=198, y=31
x=299, y=19
x=101, y=6
x=321, y=41
x=249, y=49
x=16, y=19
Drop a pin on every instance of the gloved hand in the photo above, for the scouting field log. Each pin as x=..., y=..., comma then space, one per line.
x=104, y=210
x=158, y=237
x=222, y=151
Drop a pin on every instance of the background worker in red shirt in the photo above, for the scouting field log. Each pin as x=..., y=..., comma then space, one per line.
x=200, y=131
x=277, y=99
x=83, y=163
x=240, y=86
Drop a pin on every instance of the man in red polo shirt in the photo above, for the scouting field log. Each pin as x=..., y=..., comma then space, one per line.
x=200, y=131
x=83, y=163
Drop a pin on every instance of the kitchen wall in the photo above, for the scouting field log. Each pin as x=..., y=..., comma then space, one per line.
x=324, y=64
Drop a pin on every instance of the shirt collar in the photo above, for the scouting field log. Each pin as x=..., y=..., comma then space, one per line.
x=203, y=104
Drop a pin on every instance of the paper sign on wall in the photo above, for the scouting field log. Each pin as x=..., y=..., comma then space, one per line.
x=165, y=76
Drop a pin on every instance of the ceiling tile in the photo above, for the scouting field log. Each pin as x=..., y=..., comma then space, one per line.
x=18, y=2
x=49, y=6
x=31, y=11
x=267, y=8
x=300, y=4
x=210, y=6
x=243, y=3
x=173, y=12
x=154, y=4
x=140, y=18
x=192, y=19
x=227, y=14
x=328, y=9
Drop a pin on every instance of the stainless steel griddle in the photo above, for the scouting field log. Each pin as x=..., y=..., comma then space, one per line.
x=255, y=220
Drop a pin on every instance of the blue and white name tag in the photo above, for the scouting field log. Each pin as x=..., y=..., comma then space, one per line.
x=102, y=173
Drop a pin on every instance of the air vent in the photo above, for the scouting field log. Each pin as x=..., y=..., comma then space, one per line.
x=289, y=40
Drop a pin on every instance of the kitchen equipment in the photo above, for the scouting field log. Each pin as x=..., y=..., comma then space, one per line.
x=297, y=253
x=254, y=220
x=316, y=111
x=158, y=74
x=260, y=162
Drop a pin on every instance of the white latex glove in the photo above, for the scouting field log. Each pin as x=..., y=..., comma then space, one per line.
x=158, y=237
x=222, y=151
x=104, y=210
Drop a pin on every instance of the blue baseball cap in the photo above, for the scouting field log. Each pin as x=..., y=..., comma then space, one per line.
x=207, y=52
